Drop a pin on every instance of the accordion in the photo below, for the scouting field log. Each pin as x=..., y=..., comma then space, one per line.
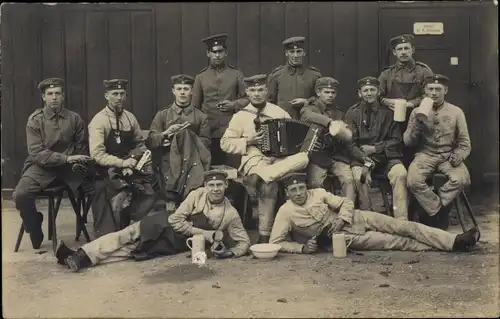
x=284, y=137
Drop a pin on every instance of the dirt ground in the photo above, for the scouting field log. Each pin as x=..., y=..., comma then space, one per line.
x=366, y=284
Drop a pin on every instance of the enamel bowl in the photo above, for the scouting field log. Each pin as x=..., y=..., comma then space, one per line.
x=265, y=251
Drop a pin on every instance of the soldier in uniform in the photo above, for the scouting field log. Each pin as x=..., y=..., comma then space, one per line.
x=219, y=91
x=404, y=80
x=178, y=182
x=55, y=138
x=443, y=144
x=290, y=85
x=307, y=221
x=335, y=155
x=206, y=211
x=116, y=145
x=261, y=172
x=378, y=140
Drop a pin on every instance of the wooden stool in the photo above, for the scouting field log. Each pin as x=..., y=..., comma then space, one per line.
x=460, y=202
x=55, y=195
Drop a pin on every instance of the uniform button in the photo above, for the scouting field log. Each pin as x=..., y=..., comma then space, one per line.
x=189, y=176
x=194, y=164
x=185, y=159
x=182, y=171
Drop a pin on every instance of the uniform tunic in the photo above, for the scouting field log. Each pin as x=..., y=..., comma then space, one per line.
x=295, y=224
x=216, y=85
x=99, y=129
x=444, y=133
x=404, y=81
x=374, y=125
x=175, y=114
x=51, y=137
x=286, y=83
x=253, y=161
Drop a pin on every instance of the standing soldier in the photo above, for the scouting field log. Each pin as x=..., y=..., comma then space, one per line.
x=290, y=85
x=404, y=80
x=219, y=91
x=55, y=138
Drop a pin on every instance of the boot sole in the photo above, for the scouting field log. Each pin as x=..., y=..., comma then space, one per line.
x=73, y=267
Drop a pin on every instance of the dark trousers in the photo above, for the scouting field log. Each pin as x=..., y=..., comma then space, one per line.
x=24, y=197
x=219, y=157
x=105, y=220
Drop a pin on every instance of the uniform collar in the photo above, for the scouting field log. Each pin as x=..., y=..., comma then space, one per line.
x=409, y=66
x=439, y=107
x=292, y=69
x=218, y=69
x=177, y=109
x=110, y=112
x=374, y=107
x=50, y=114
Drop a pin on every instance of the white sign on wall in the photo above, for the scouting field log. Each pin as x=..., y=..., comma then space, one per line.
x=429, y=28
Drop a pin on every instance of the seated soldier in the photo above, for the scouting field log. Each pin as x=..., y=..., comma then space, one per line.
x=443, y=144
x=205, y=211
x=335, y=155
x=183, y=159
x=377, y=146
x=117, y=144
x=56, y=145
x=308, y=219
x=243, y=136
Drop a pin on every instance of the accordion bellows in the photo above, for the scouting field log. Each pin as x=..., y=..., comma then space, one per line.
x=284, y=137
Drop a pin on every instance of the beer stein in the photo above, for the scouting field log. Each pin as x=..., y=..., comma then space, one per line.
x=339, y=246
x=400, y=110
x=423, y=110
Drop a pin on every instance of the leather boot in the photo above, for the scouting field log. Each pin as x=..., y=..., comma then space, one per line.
x=78, y=260
x=443, y=218
x=36, y=235
x=466, y=241
x=263, y=239
x=63, y=252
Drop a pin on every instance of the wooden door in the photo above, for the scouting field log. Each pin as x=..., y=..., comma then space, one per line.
x=447, y=53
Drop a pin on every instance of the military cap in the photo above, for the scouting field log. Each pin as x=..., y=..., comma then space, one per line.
x=403, y=38
x=216, y=39
x=438, y=79
x=256, y=80
x=182, y=79
x=50, y=83
x=115, y=84
x=294, y=178
x=368, y=80
x=215, y=174
x=326, y=82
x=294, y=43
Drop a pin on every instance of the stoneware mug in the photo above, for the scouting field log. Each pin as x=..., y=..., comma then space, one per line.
x=339, y=246
x=196, y=244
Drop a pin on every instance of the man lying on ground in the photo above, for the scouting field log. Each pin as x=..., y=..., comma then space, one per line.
x=310, y=217
x=204, y=211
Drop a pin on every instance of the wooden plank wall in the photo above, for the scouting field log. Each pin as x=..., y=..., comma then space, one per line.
x=148, y=43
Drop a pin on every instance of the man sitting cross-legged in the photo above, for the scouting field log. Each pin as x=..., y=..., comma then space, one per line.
x=310, y=217
x=204, y=211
